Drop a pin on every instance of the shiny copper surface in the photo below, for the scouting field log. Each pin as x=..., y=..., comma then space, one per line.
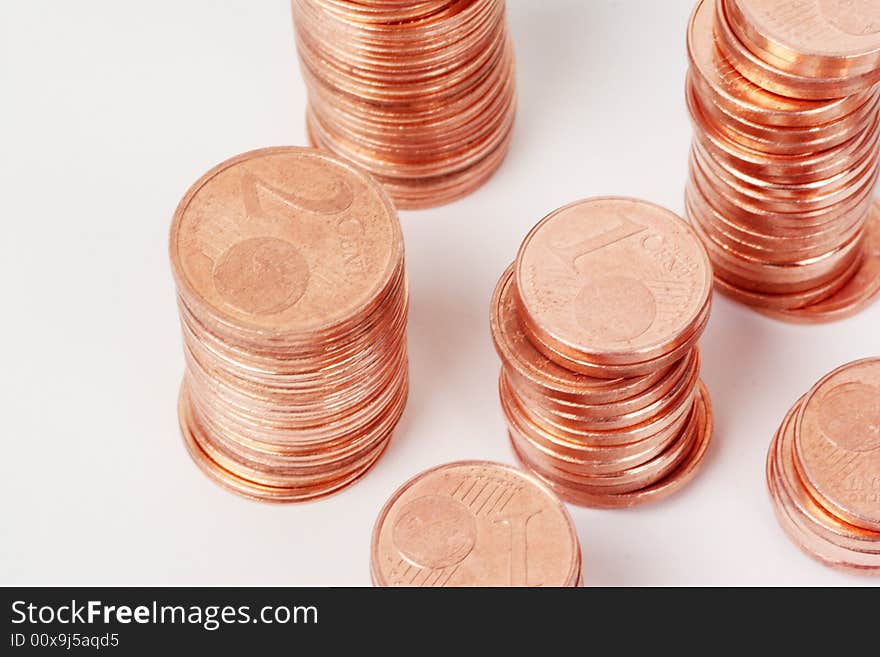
x=837, y=442
x=824, y=38
x=823, y=470
x=475, y=523
x=860, y=291
x=698, y=433
x=768, y=72
x=786, y=114
x=599, y=382
x=422, y=95
x=293, y=305
x=612, y=281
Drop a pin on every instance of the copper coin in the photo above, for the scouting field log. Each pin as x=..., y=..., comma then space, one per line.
x=795, y=497
x=837, y=443
x=631, y=410
x=420, y=94
x=778, y=302
x=474, y=523
x=810, y=543
x=600, y=369
x=754, y=195
x=793, y=277
x=622, y=481
x=617, y=430
x=717, y=78
x=859, y=292
x=672, y=482
x=593, y=454
x=602, y=461
x=773, y=246
x=255, y=490
x=756, y=68
x=758, y=221
x=823, y=38
x=817, y=532
x=293, y=302
x=785, y=158
x=612, y=281
x=522, y=357
x=812, y=167
x=284, y=241
x=684, y=344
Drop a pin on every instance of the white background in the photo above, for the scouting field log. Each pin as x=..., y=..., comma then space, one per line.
x=110, y=110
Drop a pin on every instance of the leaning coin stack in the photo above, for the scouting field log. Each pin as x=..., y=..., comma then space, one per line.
x=474, y=523
x=784, y=101
x=596, y=325
x=293, y=303
x=421, y=94
x=823, y=469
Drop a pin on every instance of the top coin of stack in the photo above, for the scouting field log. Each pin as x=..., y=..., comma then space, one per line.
x=823, y=469
x=293, y=303
x=474, y=523
x=596, y=325
x=817, y=49
x=421, y=94
x=784, y=101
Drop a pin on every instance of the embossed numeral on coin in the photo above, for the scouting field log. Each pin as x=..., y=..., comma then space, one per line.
x=470, y=524
x=518, y=527
x=611, y=234
x=251, y=186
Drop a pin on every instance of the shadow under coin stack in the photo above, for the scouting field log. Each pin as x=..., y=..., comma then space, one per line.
x=293, y=302
x=475, y=523
x=596, y=325
x=823, y=469
x=784, y=101
x=421, y=94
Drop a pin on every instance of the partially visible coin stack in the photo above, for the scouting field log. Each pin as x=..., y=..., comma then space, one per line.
x=596, y=325
x=475, y=523
x=421, y=94
x=784, y=101
x=823, y=469
x=293, y=302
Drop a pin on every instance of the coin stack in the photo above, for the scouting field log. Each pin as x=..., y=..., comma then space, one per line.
x=596, y=325
x=784, y=101
x=293, y=302
x=823, y=469
x=421, y=94
x=474, y=523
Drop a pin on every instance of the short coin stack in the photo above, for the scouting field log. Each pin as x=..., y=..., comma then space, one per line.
x=293, y=302
x=474, y=523
x=421, y=94
x=823, y=469
x=784, y=101
x=596, y=325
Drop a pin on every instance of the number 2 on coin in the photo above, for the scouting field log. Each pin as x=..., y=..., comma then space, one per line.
x=251, y=186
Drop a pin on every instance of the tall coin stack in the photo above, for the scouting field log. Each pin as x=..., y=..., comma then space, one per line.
x=784, y=101
x=596, y=325
x=421, y=94
x=293, y=303
x=823, y=469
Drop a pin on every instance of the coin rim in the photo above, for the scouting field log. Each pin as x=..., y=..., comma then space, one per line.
x=528, y=476
x=186, y=288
